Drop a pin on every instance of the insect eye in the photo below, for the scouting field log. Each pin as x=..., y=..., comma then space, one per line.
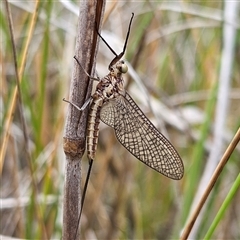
x=123, y=68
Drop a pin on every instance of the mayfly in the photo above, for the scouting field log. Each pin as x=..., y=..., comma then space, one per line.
x=114, y=106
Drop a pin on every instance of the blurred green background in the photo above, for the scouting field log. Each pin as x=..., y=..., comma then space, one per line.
x=176, y=67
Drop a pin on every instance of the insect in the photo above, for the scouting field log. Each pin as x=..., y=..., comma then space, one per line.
x=114, y=106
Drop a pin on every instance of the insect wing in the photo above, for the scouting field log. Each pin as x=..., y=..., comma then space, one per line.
x=140, y=137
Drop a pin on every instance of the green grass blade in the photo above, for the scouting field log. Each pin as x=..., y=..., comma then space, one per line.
x=223, y=208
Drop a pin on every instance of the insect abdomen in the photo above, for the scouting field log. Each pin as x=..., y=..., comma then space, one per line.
x=93, y=126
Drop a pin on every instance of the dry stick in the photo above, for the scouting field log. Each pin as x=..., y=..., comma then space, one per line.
x=23, y=121
x=214, y=178
x=91, y=13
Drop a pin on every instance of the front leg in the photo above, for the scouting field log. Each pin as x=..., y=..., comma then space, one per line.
x=83, y=106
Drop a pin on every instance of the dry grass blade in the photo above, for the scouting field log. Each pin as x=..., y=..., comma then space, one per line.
x=10, y=112
x=211, y=184
x=17, y=93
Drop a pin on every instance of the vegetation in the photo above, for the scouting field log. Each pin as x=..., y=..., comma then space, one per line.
x=176, y=63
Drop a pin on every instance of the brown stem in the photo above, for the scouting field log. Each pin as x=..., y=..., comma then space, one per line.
x=90, y=17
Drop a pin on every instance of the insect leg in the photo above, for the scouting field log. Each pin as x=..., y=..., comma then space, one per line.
x=84, y=193
x=93, y=78
x=77, y=107
x=105, y=42
x=119, y=56
x=128, y=32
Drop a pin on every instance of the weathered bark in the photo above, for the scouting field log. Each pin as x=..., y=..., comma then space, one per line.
x=90, y=16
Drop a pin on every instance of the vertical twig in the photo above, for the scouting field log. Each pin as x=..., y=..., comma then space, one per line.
x=90, y=17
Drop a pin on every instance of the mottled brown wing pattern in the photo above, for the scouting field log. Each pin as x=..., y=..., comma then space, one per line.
x=140, y=137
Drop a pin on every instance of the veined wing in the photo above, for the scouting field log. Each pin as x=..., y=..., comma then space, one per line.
x=140, y=137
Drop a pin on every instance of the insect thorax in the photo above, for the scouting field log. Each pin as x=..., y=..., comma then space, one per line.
x=112, y=85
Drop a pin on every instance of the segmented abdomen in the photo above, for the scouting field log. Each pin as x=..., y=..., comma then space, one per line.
x=93, y=126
